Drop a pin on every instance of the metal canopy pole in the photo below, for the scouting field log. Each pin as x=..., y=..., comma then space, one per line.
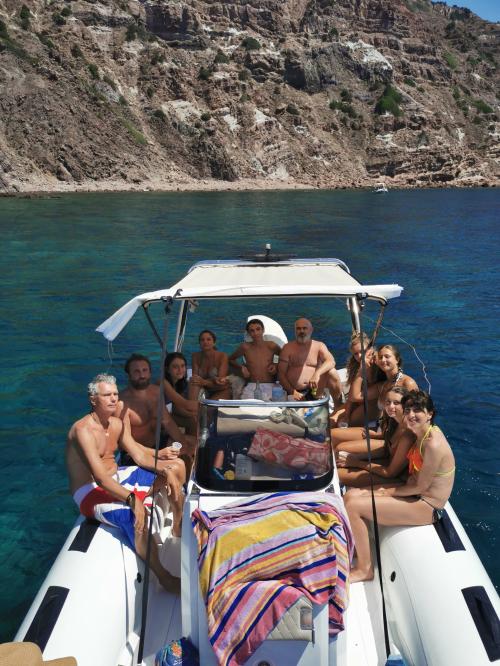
x=161, y=406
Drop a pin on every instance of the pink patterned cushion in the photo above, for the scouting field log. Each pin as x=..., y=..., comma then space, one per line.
x=296, y=453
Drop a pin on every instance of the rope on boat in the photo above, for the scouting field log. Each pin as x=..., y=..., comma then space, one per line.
x=379, y=325
x=111, y=353
x=161, y=407
x=374, y=508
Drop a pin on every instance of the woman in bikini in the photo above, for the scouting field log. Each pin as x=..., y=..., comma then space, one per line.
x=354, y=469
x=389, y=361
x=352, y=411
x=210, y=369
x=420, y=500
x=176, y=386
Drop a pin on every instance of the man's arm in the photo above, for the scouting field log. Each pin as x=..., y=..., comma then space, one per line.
x=169, y=426
x=85, y=440
x=282, y=373
x=143, y=456
x=327, y=363
x=238, y=353
x=233, y=359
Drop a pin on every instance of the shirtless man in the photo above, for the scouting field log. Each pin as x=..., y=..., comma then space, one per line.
x=103, y=491
x=307, y=364
x=141, y=398
x=259, y=365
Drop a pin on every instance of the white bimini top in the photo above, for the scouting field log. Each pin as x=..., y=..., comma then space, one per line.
x=245, y=279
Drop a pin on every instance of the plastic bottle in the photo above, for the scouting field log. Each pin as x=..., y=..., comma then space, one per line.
x=257, y=394
x=277, y=393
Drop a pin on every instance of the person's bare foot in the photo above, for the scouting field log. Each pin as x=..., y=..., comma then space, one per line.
x=170, y=583
x=359, y=575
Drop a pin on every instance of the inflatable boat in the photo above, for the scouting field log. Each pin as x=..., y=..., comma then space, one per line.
x=433, y=605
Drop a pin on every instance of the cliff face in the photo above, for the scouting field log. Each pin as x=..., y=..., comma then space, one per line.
x=320, y=92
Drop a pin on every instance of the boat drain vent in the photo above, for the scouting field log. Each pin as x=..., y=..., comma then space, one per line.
x=393, y=576
x=139, y=577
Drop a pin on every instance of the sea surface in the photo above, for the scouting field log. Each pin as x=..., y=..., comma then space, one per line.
x=70, y=261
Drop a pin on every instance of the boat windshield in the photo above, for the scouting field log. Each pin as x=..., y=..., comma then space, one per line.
x=258, y=446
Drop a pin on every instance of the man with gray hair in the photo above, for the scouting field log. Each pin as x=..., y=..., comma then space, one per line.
x=120, y=496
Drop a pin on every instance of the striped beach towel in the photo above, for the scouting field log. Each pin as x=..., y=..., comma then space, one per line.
x=257, y=557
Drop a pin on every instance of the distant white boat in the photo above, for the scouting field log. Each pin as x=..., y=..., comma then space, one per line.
x=381, y=188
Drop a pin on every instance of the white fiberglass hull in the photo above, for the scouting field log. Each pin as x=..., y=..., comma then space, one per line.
x=92, y=600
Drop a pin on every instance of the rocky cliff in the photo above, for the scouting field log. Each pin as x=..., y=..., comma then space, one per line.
x=166, y=93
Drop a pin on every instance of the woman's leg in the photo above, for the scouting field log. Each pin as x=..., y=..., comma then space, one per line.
x=357, y=416
x=185, y=421
x=360, y=478
x=390, y=511
x=345, y=435
x=359, y=446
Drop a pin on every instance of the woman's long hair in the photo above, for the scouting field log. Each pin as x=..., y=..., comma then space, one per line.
x=181, y=384
x=389, y=425
x=352, y=366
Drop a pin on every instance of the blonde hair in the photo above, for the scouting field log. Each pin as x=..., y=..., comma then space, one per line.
x=352, y=366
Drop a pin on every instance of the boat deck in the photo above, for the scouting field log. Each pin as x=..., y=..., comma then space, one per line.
x=360, y=644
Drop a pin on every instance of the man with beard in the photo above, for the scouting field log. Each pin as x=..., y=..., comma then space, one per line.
x=306, y=365
x=141, y=399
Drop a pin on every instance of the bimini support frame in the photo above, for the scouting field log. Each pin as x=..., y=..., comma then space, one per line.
x=355, y=306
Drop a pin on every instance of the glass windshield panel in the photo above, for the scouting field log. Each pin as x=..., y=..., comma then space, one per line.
x=258, y=446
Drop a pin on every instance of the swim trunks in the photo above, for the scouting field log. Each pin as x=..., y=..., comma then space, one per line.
x=265, y=387
x=95, y=502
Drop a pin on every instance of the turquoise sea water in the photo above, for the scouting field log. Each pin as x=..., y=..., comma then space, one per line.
x=69, y=262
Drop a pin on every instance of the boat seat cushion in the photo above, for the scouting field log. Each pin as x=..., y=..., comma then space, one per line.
x=231, y=420
x=295, y=623
x=298, y=453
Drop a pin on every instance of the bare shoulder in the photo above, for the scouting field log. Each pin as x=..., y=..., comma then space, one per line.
x=437, y=437
x=153, y=390
x=240, y=349
x=124, y=393
x=410, y=383
x=273, y=346
x=82, y=424
x=321, y=347
x=80, y=427
x=407, y=438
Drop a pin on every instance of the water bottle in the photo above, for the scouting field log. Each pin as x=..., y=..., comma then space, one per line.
x=257, y=394
x=277, y=393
